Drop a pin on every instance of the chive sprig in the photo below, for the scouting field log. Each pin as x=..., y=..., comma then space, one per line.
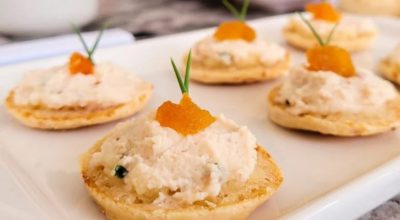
x=183, y=84
x=241, y=15
x=89, y=51
x=315, y=33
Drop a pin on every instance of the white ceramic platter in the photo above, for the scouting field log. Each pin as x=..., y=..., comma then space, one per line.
x=325, y=177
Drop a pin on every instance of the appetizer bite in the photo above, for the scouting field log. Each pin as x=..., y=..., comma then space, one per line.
x=234, y=54
x=179, y=162
x=331, y=96
x=352, y=34
x=77, y=94
x=389, y=67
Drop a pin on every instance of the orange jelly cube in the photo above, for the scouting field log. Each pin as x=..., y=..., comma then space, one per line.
x=330, y=58
x=233, y=30
x=323, y=11
x=80, y=64
x=186, y=117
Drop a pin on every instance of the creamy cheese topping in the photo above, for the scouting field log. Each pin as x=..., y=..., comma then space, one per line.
x=324, y=92
x=167, y=168
x=56, y=87
x=233, y=52
x=348, y=27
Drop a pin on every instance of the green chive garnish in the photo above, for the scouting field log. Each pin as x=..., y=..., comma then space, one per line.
x=315, y=33
x=243, y=11
x=328, y=40
x=120, y=171
x=187, y=71
x=91, y=51
x=184, y=85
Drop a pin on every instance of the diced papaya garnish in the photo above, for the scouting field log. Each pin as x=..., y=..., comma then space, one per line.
x=330, y=58
x=234, y=30
x=186, y=117
x=323, y=11
x=80, y=64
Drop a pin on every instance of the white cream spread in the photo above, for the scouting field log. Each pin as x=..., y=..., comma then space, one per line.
x=55, y=88
x=231, y=52
x=348, y=27
x=325, y=92
x=170, y=168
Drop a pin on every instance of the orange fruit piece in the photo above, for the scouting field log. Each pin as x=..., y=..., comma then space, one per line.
x=186, y=117
x=80, y=64
x=323, y=11
x=233, y=30
x=330, y=58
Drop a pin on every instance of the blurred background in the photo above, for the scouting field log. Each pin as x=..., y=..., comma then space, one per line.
x=24, y=20
x=42, y=28
x=36, y=29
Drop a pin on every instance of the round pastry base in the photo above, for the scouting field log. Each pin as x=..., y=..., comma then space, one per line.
x=371, y=7
x=361, y=124
x=61, y=119
x=235, y=75
x=390, y=71
x=234, y=202
x=303, y=42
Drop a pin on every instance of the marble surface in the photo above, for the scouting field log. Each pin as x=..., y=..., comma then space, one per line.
x=159, y=17
x=390, y=210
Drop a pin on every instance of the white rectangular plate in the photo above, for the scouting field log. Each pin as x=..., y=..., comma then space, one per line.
x=325, y=177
